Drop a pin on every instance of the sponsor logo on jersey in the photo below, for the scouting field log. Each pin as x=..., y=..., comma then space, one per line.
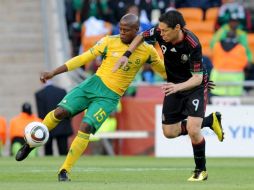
x=173, y=49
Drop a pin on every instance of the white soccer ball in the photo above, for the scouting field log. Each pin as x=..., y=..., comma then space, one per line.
x=36, y=134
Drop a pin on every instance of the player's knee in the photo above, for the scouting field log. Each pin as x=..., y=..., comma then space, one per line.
x=86, y=128
x=193, y=132
x=61, y=113
x=169, y=135
x=169, y=132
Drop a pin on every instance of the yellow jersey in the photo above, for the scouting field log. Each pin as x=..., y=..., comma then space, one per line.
x=111, y=48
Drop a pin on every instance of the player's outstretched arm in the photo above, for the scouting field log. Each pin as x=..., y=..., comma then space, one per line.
x=49, y=75
x=71, y=64
x=123, y=61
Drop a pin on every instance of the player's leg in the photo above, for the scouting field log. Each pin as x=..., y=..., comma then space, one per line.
x=171, y=130
x=96, y=114
x=195, y=109
x=98, y=111
x=198, y=145
x=78, y=146
x=51, y=120
x=213, y=121
x=172, y=116
x=67, y=107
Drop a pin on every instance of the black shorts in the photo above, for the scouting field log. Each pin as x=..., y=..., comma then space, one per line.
x=178, y=106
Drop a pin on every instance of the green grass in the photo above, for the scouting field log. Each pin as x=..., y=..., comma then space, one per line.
x=120, y=173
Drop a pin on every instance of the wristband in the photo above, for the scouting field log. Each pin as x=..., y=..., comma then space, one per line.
x=127, y=53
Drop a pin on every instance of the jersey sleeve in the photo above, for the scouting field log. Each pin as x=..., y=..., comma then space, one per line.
x=99, y=49
x=150, y=35
x=196, y=60
x=156, y=62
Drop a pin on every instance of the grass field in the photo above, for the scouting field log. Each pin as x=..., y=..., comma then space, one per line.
x=120, y=173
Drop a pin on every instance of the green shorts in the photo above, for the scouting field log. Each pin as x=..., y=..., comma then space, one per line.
x=93, y=96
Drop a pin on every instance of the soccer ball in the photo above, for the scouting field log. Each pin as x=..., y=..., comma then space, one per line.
x=36, y=134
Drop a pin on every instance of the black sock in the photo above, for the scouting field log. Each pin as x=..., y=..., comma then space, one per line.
x=184, y=128
x=207, y=121
x=199, y=155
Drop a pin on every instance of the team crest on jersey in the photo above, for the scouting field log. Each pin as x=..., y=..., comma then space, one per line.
x=137, y=62
x=184, y=58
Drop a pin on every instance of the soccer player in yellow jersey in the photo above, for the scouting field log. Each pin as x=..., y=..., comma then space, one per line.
x=99, y=94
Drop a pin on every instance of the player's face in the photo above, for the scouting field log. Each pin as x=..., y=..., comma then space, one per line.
x=168, y=34
x=127, y=32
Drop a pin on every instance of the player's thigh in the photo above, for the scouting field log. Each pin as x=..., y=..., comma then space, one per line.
x=172, y=109
x=195, y=104
x=75, y=101
x=99, y=110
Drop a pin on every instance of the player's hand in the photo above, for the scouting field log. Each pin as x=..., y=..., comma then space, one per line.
x=211, y=85
x=123, y=61
x=170, y=88
x=46, y=76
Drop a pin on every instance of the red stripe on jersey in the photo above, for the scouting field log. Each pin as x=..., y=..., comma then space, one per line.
x=146, y=33
x=197, y=67
x=192, y=42
x=205, y=91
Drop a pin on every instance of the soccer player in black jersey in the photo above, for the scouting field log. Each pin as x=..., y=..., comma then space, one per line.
x=186, y=88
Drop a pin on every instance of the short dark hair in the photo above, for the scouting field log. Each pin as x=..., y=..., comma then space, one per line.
x=27, y=108
x=172, y=18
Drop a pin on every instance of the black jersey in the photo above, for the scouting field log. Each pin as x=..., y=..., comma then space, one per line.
x=180, y=59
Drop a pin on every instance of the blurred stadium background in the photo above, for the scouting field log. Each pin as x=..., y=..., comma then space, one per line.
x=38, y=35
